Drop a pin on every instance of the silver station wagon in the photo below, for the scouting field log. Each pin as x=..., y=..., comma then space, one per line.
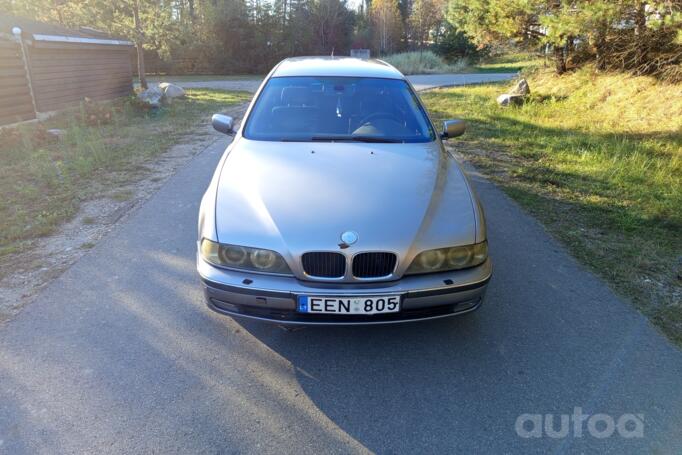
x=336, y=203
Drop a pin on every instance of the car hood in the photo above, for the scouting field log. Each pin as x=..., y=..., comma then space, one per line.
x=294, y=197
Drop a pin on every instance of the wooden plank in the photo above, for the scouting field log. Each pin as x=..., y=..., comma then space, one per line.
x=58, y=104
x=11, y=91
x=81, y=64
x=22, y=110
x=84, y=66
x=5, y=44
x=11, y=72
x=12, y=76
x=79, y=95
x=11, y=64
x=86, y=92
x=92, y=66
x=10, y=120
x=16, y=118
x=14, y=81
x=57, y=56
x=58, y=80
x=16, y=109
x=81, y=75
x=15, y=100
x=10, y=53
x=58, y=84
x=42, y=45
x=45, y=89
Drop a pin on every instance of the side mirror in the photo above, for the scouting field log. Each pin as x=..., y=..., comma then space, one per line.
x=453, y=128
x=223, y=123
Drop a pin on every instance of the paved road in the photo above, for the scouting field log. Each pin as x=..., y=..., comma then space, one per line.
x=120, y=355
x=420, y=82
x=427, y=81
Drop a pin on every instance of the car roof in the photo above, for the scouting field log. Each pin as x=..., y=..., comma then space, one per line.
x=335, y=66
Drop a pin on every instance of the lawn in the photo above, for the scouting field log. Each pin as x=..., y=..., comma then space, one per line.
x=43, y=179
x=598, y=159
x=508, y=63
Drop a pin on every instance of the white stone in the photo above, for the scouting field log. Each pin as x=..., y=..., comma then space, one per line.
x=172, y=90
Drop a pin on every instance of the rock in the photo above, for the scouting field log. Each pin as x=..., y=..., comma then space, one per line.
x=508, y=99
x=521, y=88
x=152, y=97
x=172, y=90
x=56, y=134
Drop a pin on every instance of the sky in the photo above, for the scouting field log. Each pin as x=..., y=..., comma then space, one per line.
x=354, y=4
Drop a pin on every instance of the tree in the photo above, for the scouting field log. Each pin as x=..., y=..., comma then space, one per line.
x=455, y=45
x=139, y=44
x=332, y=25
x=640, y=35
x=425, y=17
x=387, y=24
x=528, y=22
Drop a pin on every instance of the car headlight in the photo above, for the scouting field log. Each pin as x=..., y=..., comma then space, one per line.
x=241, y=257
x=444, y=259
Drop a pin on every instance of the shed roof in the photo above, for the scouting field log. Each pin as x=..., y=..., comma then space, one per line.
x=43, y=31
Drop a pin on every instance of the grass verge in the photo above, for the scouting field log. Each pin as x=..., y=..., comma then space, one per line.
x=43, y=179
x=597, y=159
x=422, y=62
x=508, y=63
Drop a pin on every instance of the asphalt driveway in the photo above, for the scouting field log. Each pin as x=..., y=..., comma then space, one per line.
x=120, y=355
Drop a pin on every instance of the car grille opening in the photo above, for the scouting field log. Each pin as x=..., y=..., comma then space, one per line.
x=324, y=264
x=373, y=265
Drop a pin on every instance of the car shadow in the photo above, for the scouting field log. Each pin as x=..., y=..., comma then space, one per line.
x=393, y=388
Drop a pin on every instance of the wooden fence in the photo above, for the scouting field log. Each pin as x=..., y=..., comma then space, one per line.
x=16, y=103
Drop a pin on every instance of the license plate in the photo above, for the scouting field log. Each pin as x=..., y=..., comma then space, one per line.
x=349, y=305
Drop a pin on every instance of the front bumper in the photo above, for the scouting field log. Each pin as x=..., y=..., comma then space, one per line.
x=273, y=298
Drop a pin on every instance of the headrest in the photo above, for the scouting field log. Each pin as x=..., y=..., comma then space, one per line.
x=296, y=96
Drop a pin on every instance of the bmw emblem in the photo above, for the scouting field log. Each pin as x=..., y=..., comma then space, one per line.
x=348, y=238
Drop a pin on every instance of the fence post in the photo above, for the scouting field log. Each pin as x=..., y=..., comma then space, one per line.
x=16, y=31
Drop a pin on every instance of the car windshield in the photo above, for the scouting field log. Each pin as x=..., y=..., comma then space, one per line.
x=338, y=109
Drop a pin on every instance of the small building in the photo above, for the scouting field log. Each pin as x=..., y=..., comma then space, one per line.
x=46, y=67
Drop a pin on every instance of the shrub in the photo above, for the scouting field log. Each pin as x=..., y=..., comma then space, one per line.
x=455, y=46
x=422, y=62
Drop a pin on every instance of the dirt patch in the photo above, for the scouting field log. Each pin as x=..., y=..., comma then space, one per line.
x=24, y=274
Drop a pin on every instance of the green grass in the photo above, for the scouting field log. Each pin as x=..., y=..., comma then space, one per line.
x=425, y=62
x=43, y=180
x=509, y=63
x=122, y=196
x=598, y=159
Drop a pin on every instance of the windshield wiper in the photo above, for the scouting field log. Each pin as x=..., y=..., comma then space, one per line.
x=377, y=139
